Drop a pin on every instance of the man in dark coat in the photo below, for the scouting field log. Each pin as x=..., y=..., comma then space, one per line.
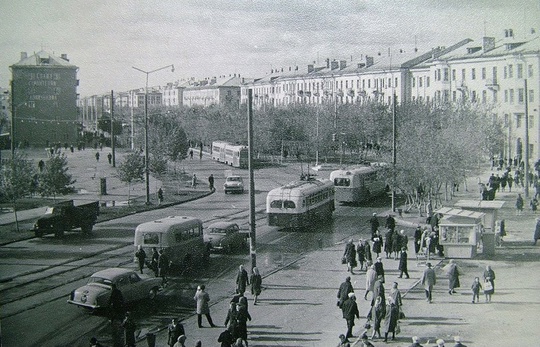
x=141, y=257
x=378, y=291
x=417, y=240
x=453, y=273
x=374, y=222
x=350, y=256
x=350, y=311
x=129, y=329
x=163, y=266
x=415, y=342
x=226, y=337
x=390, y=319
x=116, y=303
x=379, y=268
x=344, y=289
x=175, y=329
x=390, y=222
x=242, y=279
x=211, y=181
x=402, y=267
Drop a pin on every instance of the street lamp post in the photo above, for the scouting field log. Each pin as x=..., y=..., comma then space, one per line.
x=146, y=157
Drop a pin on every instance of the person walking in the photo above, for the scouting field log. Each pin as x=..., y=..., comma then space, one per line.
x=371, y=277
x=390, y=222
x=350, y=256
x=388, y=243
x=534, y=205
x=374, y=223
x=226, y=338
x=129, y=330
x=154, y=261
x=377, y=314
x=256, y=284
x=377, y=243
x=390, y=319
x=402, y=267
x=163, y=264
x=429, y=279
x=242, y=279
x=378, y=290
x=194, y=181
x=536, y=235
x=211, y=182
x=379, y=268
x=109, y=158
x=489, y=283
x=116, y=303
x=453, y=272
x=369, y=257
x=519, y=204
x=97, y=156
x=361, y=251
x=202, y=298
x=395, y=295
x=476, y=287
x=242, y=318
x=396, y=242
x=160, y=195
x=350, y=311
x=174, y=330
x=231, y=321
x=140, y=254
x=343, y=292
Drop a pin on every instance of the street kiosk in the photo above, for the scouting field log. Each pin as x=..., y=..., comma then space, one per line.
x=460, y=232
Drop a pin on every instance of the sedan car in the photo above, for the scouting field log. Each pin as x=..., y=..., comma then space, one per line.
x=233, y=184
x=225, y=236
x=95, y=294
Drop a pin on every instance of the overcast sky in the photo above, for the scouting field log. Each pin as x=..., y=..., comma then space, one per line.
x=205, y=38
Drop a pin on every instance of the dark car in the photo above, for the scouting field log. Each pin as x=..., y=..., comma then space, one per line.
x=225, y=236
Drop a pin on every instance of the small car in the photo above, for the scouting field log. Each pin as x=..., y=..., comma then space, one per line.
x=225, y=237
x=96, y=293
x=233, y=184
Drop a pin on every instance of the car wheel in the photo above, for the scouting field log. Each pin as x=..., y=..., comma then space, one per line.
x=152, y=294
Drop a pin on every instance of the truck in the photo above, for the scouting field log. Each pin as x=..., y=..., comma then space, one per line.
x=65, y=216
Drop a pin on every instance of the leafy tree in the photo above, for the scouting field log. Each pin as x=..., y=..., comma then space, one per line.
x=104, y=124
x=55, y=179
x=16, y=180
x=131, y=170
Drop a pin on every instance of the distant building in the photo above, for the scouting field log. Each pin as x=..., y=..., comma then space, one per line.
x=44, y=100
x=213, y=91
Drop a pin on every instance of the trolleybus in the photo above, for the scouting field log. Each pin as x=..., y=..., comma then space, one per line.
x=300, y=203
x=359, y=184
x=230, y=154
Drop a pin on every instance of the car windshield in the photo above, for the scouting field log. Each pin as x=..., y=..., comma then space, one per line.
x=99, y=280
x=236, y=179
x=218, y=231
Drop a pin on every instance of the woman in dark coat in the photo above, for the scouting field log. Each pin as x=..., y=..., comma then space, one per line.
x=361, y=251
x=388, y=243
x=402, y=267
x=242, y=279
x=377, y=314
x=369, y=257
x=536, y=231
x=453, y=276
x=256, y=284
x=377, y=243
x=350, y=256
x=417, y=241
x=390, y=319
x=489, y=276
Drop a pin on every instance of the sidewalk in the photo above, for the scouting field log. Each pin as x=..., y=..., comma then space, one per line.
x=298, y=304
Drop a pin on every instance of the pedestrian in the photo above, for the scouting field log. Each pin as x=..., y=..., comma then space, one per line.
x=129, y=330
x=371, y=277
x=202, y=298
x=350, y=311
x=94, y=342
x=200, y=158
x=154, y=261
x=226, y=338
x=242, y=280
x=343, y=292
x=453, y=272
x=191, y=154
x=41, y=165
x=140, y=254
x=350, y=256
x=239, y=343
x=395, y=295
x=379, y=268
x=256, y=284
x=97, y=156
x=377, y=314
x=429, y=279
x=390, y=319
x=534, y=205
x=388, y=243
x=116, y=303
x=519, y=204
x=377, y=243
x=231, y=321
x=536, y=231
x=378, y=291
x=440, y=343
x=211, y=182
x=361, y=251
x=390, y=222
x=402, y=267
x=160, y=195
x=175, y=329
x=415, y=342
x=476, y=287
x=163, y=266
x=396, y=241
x=194, y=181
x=489, y=283
x=109, y=158
x=369, y=257
x=343, y=341
x=180, y=342
x=510, y=181
x=457, y=340
x=242, y=318
x=403, y=240
x=374, y=223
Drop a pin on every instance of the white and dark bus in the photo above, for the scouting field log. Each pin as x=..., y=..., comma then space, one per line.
x=300, y=203
x=230, y=154
x=359, y=184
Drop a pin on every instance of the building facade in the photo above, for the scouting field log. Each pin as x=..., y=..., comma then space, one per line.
x=44, y=100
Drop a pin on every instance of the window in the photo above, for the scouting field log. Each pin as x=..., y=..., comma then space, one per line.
x=414, y=82
x=518, y=120
x=473, y=96
x=531, y=95
x=510, y=71
x=505, y=74
x=494, y=74
x=427, y=82
x=420, y=81
x=521, y=95
x=463, y=74
x=445, y=71
x=519, y=70
x=453, y=74
x=150, y=239
x=495, y=96
x=531, y=150
x=473, y=73
x=531, y=122
x=505, y=95
x=289, y=204
x=484, y=96
x=483, y=73
x=511, y=96
x=506, y=120
x=395, y=82
x=369, y=83
x=276, y=204
x=530, y=71
x=454, y=95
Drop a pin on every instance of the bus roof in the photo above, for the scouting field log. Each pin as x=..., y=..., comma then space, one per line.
x=352, y=171
x=300, y=188
x=163, y=224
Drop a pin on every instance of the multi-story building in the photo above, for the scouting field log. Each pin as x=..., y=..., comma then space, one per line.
x=44, y=100
x=223, y=90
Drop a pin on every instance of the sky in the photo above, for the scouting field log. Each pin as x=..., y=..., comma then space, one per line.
x=206, y=38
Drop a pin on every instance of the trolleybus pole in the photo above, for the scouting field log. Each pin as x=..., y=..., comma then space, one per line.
x=252, y=244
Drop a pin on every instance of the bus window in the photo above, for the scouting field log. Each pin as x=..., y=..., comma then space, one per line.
x=342, y=182
x=275, y=204
x=289, y=204
x=151, y=239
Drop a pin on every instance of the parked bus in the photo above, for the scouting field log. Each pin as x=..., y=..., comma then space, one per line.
x=233, y=155
x=357, y=184
x=301, y=203
x=180, y=237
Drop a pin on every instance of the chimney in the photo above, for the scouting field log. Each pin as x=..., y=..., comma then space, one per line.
x=334, y=64
x=327, y=63
x=361, y=65
x=64, y=56
x=342, y=64
x=310, y=68
x=488, y=43
x=24, y=55
x=369, y=61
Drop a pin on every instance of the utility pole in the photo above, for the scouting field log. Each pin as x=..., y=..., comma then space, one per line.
x=526, y=141
x=252, y=243
x=394, y=148
x=112, y=129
